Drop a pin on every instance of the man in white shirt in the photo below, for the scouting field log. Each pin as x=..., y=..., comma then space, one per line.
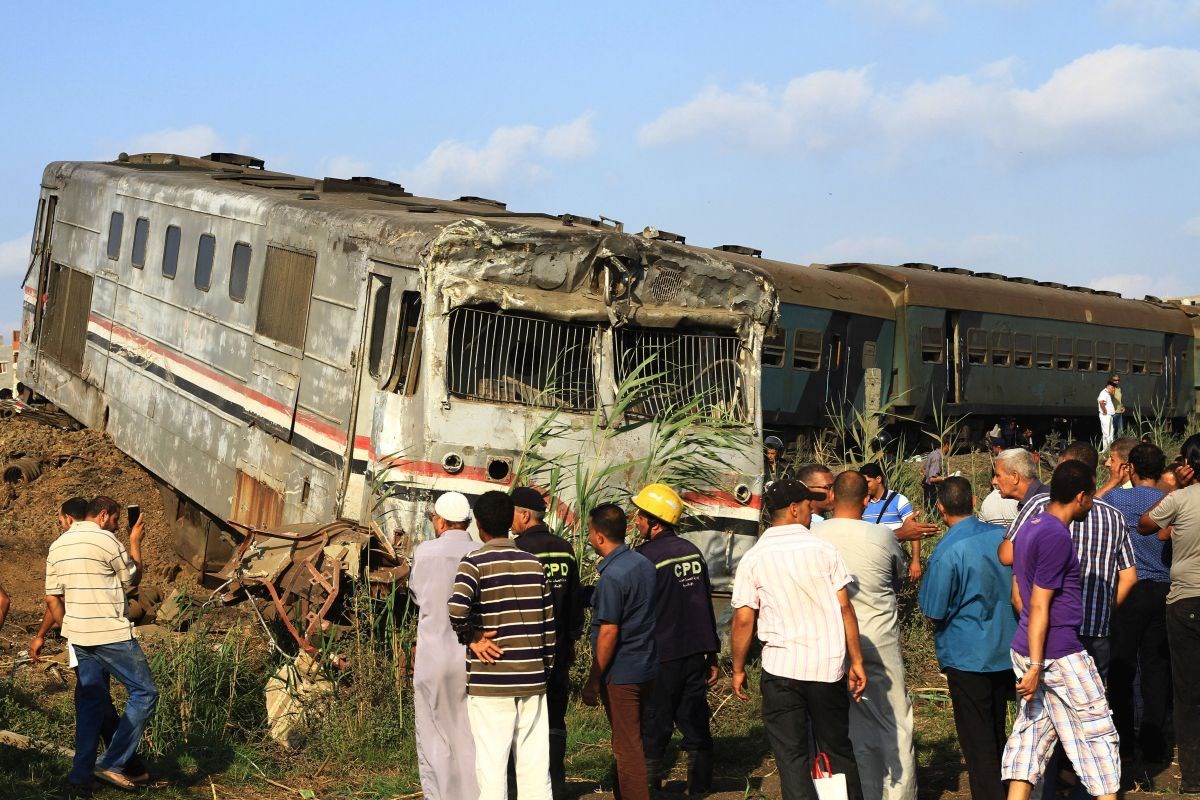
x=1108, y=409
x=796, y=587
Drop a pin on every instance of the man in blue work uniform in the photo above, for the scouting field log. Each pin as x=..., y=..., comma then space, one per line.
x=686, y=634
x=562, y=579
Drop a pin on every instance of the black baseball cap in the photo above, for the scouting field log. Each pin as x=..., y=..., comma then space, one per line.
x=782, y=494
x=530, y=498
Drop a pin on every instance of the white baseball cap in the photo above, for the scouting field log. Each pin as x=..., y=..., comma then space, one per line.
x=453, y=507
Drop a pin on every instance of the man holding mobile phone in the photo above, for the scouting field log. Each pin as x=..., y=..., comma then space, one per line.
x=88, y=571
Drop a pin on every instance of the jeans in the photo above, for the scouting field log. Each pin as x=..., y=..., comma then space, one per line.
x=125, y=662
x=624, y=703
x=788, y=705
x=1139, y=639
x=980, y=701
x=1183, y=632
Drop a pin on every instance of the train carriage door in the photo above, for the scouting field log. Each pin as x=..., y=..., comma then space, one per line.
x=41, y=257
x=954, y=358
x=835, y=356
x=387, y=416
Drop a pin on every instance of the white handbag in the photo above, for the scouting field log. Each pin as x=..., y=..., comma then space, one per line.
x=829, y=786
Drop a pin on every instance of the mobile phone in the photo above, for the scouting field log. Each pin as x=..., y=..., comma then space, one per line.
x=134, y=513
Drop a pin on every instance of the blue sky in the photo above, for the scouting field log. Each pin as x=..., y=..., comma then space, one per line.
x=1057, y=140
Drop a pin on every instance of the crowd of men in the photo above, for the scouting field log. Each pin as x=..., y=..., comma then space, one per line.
x=1087, y=595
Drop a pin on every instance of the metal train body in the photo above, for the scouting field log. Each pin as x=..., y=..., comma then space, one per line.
x=279, y=349
x=985, y=345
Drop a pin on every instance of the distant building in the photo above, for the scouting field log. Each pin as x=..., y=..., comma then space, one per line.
x=1190, y=300
x=8, y=361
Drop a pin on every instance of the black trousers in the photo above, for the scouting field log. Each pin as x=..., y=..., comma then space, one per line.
x=1183, y=633
x=1139, y=639
x=679, y=700
x=980, y=701
x=788, y=706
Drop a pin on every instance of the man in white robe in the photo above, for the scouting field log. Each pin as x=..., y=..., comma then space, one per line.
x=881, y=724
x=445, y=748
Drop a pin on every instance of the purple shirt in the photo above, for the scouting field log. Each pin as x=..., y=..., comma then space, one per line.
x=1044, y=554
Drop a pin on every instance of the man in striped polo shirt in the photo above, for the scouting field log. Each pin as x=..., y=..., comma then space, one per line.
x=87, y=574
x=502, y=610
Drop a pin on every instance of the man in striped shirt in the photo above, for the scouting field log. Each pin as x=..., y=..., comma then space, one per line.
x=87, y=574
x=502, y=610
x=796, y=587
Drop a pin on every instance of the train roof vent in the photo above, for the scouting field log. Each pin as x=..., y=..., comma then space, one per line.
x=920, y=265
x=663, y=236
x=956, y=271
x=991, y=276
x=483, y=201
x=1152, y=299
x=740, y=249
x=236, y=159
x=1052, y=284
x=1108, y=293
x=604, y=222
x=1083, y=289
x=363, y=183
x=1018, y=279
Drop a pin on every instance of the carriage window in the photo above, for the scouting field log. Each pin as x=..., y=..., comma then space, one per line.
x=1103, y=356
x=1156, y=362
x=774, y=346
x=806, y=350
x=1121, y=359
x=205, y=251
x=170, y=262
x=1064, y=352
x=141, y=232
x=115, y=225
x=1083, y=355
x=284, y=298
x=508, y=358
x=1001, y=349
x=1045, y=352
x=976, y=346
x=406, y=366
x=379, y=326
x=239, y=272
x=1023, y=350
x=1139, y=359
x=933, y=345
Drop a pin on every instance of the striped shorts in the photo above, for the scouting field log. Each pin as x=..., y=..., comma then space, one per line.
x=1069, y=706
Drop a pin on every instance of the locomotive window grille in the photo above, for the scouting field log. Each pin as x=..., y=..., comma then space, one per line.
x=116, y=225
x=285, y=295
x=141, y=234
x=1104, y=356
x=1138, y=362
x=406, y=366
x=806, y=350
x=1084, y=358
x=68, y=303
x=1064, y=352
x=170, y=259
x=683, y=367
x=977, y=346
x=1156, y=362
x=1045, y=352
x=239, y=272
x=933, y=345
x=1001, y=349
x=206, y=249
x=510, y=358
x=774, y=346
x=1121, y=357
x=1022, y=350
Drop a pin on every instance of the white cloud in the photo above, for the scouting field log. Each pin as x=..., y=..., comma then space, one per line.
x=14, y=259
x=510, y=153
x=1123, y=99
x=1191, y=227
x=342, y=166
x=1138, y=286
x=197, y=140
x=1154, y=14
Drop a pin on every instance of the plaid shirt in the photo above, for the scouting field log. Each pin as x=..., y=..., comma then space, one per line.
x=1104, y=548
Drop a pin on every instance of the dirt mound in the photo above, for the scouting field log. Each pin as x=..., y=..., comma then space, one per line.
x=73, y=464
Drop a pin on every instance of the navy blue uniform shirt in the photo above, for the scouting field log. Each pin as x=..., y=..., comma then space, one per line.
x=624, y=596
x=682, y=598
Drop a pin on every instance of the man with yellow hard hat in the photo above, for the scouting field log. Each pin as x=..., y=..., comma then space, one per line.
x=686, y=635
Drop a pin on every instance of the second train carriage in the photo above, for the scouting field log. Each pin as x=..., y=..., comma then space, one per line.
x=280, y=349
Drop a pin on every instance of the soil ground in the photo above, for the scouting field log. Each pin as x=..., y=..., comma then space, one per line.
x=84, y=463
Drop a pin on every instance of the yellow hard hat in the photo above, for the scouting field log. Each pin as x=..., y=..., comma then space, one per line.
x=660, y=500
